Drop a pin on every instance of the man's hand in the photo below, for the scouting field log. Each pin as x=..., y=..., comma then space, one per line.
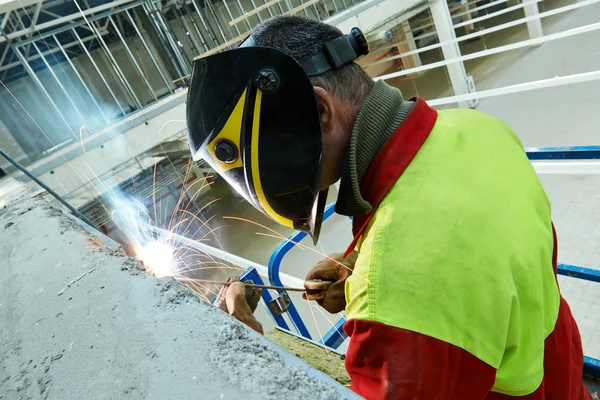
x=334, y=269
x=240, y=300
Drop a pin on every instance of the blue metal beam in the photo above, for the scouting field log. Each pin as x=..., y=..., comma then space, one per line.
x=275, y=266
x=336, y=335
x=563, y=153
x=591, y=367
x=575, y=271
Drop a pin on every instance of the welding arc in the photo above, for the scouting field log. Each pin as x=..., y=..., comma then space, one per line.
x=45, y=187
x=224, y=283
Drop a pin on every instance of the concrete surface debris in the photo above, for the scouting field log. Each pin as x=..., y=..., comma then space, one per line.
x=75, y=280
x=116, y=332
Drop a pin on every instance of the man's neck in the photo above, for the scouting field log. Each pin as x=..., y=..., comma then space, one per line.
x=383, y=111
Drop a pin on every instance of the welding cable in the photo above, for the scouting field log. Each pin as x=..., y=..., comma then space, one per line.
x=47, y=189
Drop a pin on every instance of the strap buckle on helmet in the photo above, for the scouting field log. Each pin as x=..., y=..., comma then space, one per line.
x=337, y=53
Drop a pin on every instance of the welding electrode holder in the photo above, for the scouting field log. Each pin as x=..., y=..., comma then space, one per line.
x=280, y=304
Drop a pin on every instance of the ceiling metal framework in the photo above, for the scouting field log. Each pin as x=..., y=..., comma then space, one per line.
x=89, y=63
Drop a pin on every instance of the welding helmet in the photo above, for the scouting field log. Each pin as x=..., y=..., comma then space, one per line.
x=253, y=116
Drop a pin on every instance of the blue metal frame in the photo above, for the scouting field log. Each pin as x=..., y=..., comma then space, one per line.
x=564, y=153
x=251, y=275
x=591, y=367
x=275, y=265
x=575, y=271
x=336, y=335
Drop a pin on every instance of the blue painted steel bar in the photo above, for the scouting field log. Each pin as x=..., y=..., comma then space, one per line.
x=275, y=265
x=591, y=367
x=563, y=153
x=250, y=274
x=336, y=335
x=575, y=271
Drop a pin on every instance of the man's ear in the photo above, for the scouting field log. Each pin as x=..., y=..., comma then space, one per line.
x=326, y=108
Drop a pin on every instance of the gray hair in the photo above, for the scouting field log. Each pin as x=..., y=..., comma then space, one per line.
x=302, y=38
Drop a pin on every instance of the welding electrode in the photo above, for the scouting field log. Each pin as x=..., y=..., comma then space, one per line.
x=313, y=286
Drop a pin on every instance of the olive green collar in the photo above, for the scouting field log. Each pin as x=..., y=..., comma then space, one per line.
x=383, y=111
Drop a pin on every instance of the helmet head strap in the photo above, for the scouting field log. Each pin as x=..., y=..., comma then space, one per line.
x=335, y=54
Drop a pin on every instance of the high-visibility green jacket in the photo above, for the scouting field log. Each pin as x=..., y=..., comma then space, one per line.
x=454, y=293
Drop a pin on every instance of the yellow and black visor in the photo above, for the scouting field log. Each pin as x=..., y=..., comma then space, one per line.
x=253, y=116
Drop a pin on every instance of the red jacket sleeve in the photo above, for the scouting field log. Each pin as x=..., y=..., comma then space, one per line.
x=386, y=362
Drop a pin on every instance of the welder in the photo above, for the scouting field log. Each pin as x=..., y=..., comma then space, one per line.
x=449, y=285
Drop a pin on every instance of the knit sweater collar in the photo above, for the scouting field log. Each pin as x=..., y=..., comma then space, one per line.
x=383, y=111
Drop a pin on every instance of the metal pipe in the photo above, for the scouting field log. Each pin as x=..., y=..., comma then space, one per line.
x=65, y=91
x=5, y=19
x=217, y=21
x=335, y=7
x=148, y=50
x=230, y=16
x=47, y=188
x=42, y=88
x=166, y=33
x=4, y=56
x=35, y=57
x=278, y=6
x=115, y=65
x=303, y=6
x=84, y=24
x=314, y=6
x=187, y=31
x=223, y=46
x=196, y=27
x=133, y=60
x=244, y=12
x=245, y=16
x=480, y=33
x=521, y=87
x=483, y=7
x=269, y=10
x=306, y=13
x=71, y=17
x=207, y=28
x=98, y=70
x=495, y=14
x=253, y=285
x=80, y=79
x=496, y=50
x=456, y=71
x=566, y=167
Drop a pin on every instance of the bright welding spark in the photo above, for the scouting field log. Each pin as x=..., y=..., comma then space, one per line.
x=159, y=258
